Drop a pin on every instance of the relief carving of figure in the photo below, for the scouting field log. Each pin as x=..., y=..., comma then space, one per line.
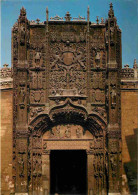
x=107, y=97
x=37, y=58
x=22, y=95
x=22, y=39
x=106, y=37
x=58, y=131
x=113, y=97
x=45, y=145
x=21, y=165
x=68, y=132
x=78, y=132
x=111, y=33
x=37, y=165
x=97, y=57
x=113, y=161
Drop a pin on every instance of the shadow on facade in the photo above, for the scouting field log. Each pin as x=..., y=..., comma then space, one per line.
x=131, y=167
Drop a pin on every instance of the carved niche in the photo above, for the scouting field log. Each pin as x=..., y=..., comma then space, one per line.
x=37, y=79
x=98, y=86
x=36, y=57
x=22, y=34
x=98, y=96
x=98, y=80
x=37, y=165
x=22, y=95
x=98, y=58
x=21, y=166
x=113, y=94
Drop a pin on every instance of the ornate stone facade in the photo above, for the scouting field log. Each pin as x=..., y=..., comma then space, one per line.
x=75, y=133
x=66, y=87
x=66, y=96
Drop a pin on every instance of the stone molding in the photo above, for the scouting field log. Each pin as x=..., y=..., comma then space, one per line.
x=6, y=81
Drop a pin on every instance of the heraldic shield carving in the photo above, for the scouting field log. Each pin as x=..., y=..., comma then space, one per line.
x=66, y=77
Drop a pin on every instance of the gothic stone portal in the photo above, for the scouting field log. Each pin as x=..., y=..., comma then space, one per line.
x=70, y=137
x=66, y=96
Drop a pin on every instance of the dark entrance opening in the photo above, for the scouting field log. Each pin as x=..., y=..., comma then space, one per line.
x=68, y=172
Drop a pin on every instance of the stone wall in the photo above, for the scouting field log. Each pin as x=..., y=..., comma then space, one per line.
x=129, y=100
x=129, y=120
x=6, y=140
x=129, y=114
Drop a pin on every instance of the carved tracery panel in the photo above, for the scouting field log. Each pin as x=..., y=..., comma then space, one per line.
x=68, y=66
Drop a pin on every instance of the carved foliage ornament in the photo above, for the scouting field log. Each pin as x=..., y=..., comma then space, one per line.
x=67, y=36
x=37, y=97
x=68, y=66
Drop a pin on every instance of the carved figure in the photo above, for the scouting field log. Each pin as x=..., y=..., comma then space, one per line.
x=78, y=132
x=22, y=94
x=113, y=97
x=68, y=132
x=106, y=37
x=58, y=131
x=57, y=62
x=107, y=97
x=37, y=165
x=21, y=165
x=112, y=33
x=113, y=161
x=22, y=39
x=37, y=58
x=45, y=145
x=98, y=55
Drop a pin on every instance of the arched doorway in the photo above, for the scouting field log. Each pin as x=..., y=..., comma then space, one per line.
x=64, y=139
x=68, y=172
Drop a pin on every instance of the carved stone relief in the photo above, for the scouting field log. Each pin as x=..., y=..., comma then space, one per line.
x=67, y=61
x=66, y=132
x=66, y=36
x=113, y=96
x=98, y=80
x=22, y=95
x=37, y=79
x=21, y=165
x=98, y=96
x=35, y=111
x=101, y=111
x=37, y=164
x=22, y=34
x=36, y=97
x=68, y=66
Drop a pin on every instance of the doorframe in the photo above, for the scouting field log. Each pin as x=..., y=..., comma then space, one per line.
x=73, y=146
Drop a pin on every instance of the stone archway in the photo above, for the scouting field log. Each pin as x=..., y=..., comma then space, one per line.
x=47, y=136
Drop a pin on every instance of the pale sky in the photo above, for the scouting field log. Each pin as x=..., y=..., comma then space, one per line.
x=126, y=12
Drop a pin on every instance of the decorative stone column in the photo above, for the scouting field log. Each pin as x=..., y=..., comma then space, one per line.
x=46, y=170
x=90, y=173
x=114, y=103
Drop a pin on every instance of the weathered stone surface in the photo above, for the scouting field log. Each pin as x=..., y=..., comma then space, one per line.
x=6, y=140
x=67, y=96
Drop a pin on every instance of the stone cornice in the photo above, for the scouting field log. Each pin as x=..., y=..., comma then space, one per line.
x=6, y=81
